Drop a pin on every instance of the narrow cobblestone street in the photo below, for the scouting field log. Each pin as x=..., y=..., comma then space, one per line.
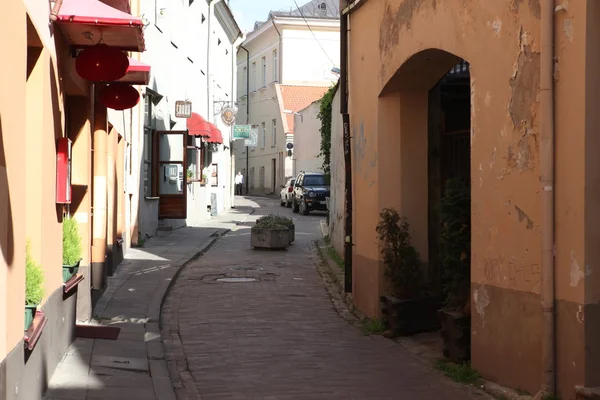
x=279, y=337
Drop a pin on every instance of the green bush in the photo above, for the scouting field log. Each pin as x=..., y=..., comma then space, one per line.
x=274, y=221
x=72, y=249
x=455, y=220
x=34, y=280
x=401, y=259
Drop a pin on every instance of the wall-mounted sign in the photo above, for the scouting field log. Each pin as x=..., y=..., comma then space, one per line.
x=228, y=115
x=252, y=141
x=241, y=132
x=183, y=109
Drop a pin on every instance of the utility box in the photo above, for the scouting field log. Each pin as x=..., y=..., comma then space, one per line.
x=63, y=171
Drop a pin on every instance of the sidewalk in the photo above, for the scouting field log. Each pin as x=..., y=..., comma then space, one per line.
x=133, y=367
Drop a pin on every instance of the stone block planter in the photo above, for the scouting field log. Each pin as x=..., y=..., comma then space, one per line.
x=410, y=317
x=292, y=233
x=269, y=238
x=456, y=332
x=69, y=270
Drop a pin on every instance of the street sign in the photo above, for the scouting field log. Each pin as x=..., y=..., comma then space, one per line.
x=241, y=132
x=183, y=109
x=252, y=141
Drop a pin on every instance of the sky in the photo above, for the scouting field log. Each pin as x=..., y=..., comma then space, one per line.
x=246, y=12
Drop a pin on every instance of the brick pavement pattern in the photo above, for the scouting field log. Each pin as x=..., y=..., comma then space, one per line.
x=279, y=337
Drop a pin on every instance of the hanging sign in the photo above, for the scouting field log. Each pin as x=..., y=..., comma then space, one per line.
x=241, y=132
x=183, y=109
x=228, y=115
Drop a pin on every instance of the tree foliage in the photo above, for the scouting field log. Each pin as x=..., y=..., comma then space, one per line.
x=325, y=116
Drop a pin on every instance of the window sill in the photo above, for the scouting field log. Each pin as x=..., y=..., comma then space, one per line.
x=151, y=198
x=273, y=146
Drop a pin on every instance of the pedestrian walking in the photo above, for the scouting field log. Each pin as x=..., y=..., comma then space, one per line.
x=239, y=181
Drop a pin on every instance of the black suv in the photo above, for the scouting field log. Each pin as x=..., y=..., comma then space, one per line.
x=310, y=191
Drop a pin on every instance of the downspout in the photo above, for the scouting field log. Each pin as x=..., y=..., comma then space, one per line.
x=547, y=198
x=55, y=10
x=347, y=152
x=247, y=110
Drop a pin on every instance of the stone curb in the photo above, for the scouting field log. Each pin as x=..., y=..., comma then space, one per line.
x=163, y=387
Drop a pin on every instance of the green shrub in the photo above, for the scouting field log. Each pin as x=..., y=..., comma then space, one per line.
x=71, y=242
x=274, y=221
x=34, y=280
x=401, y=259
x=455, y=220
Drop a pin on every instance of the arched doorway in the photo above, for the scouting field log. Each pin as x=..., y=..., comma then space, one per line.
x=424, y=134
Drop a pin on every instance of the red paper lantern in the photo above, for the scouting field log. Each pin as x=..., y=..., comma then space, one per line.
x=119, y=96
x=101, y=63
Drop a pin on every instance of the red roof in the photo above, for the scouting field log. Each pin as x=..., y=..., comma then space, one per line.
x=296, y=98
x=138, y=73
x=86, y=23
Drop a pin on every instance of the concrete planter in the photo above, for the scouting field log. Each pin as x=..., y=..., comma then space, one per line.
x=409, y=317
x=456, y=332
x=269, y=238
x=29, y=314
x=292, y=233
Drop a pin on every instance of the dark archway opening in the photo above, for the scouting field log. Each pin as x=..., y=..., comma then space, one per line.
x=449, y=205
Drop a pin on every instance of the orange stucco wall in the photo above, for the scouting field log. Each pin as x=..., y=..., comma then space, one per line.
x=397, y=51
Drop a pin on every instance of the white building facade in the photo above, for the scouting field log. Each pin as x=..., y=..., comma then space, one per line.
x=185, y=174
x=307, y=140
x=283, y=66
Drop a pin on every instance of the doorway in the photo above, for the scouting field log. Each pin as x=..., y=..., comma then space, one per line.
x=170, y=181
x=449, y=168
x=273, y=174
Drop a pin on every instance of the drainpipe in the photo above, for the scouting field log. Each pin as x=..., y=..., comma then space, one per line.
x=235, y=45
x=247, y=109
x=547, y=198
x=347, y=154
x=55, y=10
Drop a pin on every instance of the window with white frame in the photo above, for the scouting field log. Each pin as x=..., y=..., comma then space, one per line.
x=263, y=134
x=149, y=125
x=264, y=72
x=275, y=66
x=274, y=133
x=253, y=77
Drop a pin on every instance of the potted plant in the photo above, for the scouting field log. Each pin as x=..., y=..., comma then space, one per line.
x=275, y=219
x=270, y=233
x=408, y=310
x=72, y=249
x=455, y=317
x=34, y=289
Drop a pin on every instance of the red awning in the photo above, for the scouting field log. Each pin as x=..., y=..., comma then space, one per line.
x=215, y=135
x=197, y=126
x=86, y=23
x=138, y=73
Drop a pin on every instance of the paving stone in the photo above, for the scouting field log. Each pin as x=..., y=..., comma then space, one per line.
x=120, y=363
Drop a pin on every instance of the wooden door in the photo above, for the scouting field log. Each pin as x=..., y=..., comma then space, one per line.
x=170, y=178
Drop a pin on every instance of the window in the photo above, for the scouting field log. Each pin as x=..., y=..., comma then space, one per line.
x=274, y=133
x=244, y=90
x=194, y=159
x=263, y=135
x=253, y=77
x=149, y=123
x=264, y=72
x=275, y=66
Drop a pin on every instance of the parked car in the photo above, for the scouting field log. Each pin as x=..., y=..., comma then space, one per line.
x=310, y=192
x=287, y=191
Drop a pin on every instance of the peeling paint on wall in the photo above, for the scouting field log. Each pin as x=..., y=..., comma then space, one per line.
x=579, y=316
x=576, y=272
x=534, y=7
x=522, y=216
x=568, y=29
x=393, y=22
x=524, y=86
x=496, y=26
x=482, y=300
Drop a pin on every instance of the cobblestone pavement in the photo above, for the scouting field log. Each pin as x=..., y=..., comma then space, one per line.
x=279, y=337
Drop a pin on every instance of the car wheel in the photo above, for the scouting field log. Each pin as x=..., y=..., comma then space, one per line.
x=303, y=208
x=282, y=203
x=288, y=204
x=295, y=207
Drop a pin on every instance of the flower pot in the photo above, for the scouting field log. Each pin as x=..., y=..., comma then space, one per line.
x=269, y=238
x=69, y=270
x=410, y=317
x=292, y=233
x=456, y=332
x=29, y=314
